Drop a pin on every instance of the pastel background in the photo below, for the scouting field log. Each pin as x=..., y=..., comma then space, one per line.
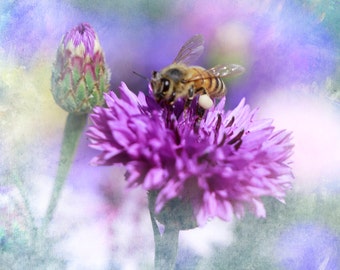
x=290, y=50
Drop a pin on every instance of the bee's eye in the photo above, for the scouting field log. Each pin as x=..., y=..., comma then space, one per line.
x=165, y=85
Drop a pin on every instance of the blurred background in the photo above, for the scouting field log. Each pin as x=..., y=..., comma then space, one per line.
x=290, y=50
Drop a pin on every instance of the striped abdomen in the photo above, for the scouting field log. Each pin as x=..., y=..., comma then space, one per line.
x=206, y=82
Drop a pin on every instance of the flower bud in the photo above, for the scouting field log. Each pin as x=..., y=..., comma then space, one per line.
x=79, y=74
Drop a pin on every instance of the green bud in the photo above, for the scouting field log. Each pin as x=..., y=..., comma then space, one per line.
x=79, y=74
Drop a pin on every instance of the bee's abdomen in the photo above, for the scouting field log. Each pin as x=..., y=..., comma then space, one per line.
x=214, y=86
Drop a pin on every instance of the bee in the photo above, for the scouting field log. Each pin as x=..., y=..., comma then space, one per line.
x=181, y=80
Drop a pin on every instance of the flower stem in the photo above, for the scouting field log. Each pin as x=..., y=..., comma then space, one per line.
x=166, y=244
x=73, y=129
x=23, y=193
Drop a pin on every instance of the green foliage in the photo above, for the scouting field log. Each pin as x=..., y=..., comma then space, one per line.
x=18, y=251
x=256, y=239
x=153, y=9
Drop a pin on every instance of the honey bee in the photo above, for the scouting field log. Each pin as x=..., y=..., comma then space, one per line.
x=181, y=80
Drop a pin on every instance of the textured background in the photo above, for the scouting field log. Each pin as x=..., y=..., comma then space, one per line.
x=290, y=50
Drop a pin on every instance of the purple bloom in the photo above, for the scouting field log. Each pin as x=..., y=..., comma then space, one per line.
x=79, y=74
x=82, y=36
x=220, y=165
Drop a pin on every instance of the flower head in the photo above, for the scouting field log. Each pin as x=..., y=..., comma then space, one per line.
x=219, y=164
x=79, y=75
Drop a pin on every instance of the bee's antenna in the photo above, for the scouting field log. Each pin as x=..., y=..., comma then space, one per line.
x=140, y=75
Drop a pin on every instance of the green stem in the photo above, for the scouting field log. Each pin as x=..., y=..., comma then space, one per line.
x=28, y=211
x=166, y=245
x=73, y=129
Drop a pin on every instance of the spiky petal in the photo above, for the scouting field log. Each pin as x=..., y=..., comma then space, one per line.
x=221, y=169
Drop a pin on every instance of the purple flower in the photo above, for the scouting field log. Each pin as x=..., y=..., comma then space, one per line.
x=79, y=74
x=220, y=165
x=83, y=38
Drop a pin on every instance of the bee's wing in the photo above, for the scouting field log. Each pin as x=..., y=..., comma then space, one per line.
x=191, y=50
x=227, y=70
x=220, y=71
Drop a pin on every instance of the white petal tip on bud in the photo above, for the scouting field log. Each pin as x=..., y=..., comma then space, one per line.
x=80, y=50
x=96, y=47
x=205, y=102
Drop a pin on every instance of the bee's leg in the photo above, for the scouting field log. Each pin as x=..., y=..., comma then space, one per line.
x=172, y=98
x=200, y=113
x=199, y=110
x=188, y=101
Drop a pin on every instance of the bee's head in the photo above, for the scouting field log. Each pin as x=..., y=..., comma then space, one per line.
x=160, y=86
x=164, y=83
